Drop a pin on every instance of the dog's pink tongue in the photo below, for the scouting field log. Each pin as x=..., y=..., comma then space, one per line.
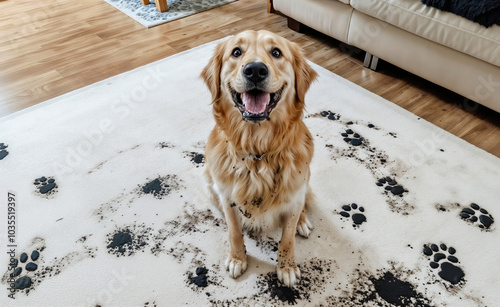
x=255, y=104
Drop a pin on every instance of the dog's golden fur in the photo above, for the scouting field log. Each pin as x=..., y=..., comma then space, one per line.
x=258, y=170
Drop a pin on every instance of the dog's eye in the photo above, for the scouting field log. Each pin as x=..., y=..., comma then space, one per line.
x=276, y=53
x=236, y=52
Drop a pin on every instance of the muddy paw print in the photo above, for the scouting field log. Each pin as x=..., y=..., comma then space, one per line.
x=124, y=242
x=391, y=185
x=46, y=185
x=484, y=220
x=352, y=138
x=443, y=257
x=160, y=187
x=24, y=281
x=196, y=157
x=3, y=151
x=354, y=212
x=201, y=277
x=330, y=115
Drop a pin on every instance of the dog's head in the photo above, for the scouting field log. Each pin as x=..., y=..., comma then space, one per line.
x=255, y=75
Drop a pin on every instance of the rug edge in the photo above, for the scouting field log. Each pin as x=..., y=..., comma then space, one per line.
x=157, y=23
x=128, y=14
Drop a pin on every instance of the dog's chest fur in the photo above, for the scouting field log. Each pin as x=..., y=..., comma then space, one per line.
x=259, y=186
x=261, y=190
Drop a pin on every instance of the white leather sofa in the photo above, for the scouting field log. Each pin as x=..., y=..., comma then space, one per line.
x=442, y=47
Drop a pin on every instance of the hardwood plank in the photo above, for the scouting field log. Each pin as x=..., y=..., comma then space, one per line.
x=51, y=47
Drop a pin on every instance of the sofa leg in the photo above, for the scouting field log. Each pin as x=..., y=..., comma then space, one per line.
x=374, y=64
x=368, y=60
x=371, y=61
x=295, y=25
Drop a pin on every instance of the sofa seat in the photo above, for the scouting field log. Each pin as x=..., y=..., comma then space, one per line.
x=435, y=25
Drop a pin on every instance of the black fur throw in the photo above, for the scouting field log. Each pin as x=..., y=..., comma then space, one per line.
x=484, y=12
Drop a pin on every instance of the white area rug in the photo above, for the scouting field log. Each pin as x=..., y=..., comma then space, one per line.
x=123, y=220
x=148, y=15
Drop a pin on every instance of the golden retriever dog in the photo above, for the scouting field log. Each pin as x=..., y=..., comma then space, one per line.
x=259, y=152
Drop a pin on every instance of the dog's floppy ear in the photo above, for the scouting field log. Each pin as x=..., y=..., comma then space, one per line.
x=304, y=74
x=211, y=72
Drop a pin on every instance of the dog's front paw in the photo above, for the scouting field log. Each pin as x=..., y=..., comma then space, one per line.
x=289, y=275
x=235, y=266
x=304, y=226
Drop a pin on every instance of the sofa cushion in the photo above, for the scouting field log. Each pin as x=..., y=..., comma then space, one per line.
x=441, y=27
x=330, y=17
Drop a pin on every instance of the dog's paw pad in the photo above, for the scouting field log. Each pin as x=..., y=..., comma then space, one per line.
x=352, y=138
x=304, y=227
x=235, y=267
x=484, y=221
x=449, y=271
x=354, y=212
x=288, y=275
x=45, y=185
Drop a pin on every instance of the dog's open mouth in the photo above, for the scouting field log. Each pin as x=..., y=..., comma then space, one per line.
x=256, y=105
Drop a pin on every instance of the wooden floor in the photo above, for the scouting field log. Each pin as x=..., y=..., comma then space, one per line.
x=51, y=47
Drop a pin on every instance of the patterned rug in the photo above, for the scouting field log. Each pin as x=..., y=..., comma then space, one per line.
x=148, y=15
x=105, y=204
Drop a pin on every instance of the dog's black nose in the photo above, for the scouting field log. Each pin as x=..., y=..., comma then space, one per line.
x=255, y=71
